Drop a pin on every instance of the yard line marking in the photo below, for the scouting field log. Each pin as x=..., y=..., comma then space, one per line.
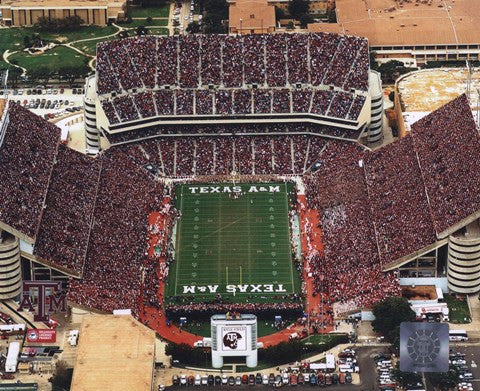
x=178, y=242
x=288, y=236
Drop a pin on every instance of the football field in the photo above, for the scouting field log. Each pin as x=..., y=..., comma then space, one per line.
x=233, y=240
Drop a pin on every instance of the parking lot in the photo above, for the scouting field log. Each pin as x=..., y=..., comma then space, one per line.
x=364, y=357
x=49, y=103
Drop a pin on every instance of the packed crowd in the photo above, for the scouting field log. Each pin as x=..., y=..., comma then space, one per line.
x=232, y=129
x=280, y=65
x=26, y=160
x=203, y=60
x=126, y=196
x=231, y=102
x=243, y=155
x=448, y=148
x=398, y=201
x=291, y=307
x=340, y=194
x=67, y=218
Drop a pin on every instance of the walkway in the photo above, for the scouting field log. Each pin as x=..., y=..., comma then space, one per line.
x=312, y=242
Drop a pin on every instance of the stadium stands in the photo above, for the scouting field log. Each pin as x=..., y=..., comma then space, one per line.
x=26, y=160
x=63, y=236
x=374, y=207
x=277, y=67
x=448, y=149
x=398, y=201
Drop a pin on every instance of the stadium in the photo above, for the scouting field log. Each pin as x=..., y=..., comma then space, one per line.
x=228, y=176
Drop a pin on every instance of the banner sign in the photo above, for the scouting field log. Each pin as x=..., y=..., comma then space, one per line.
x=234, y=338
x=41, y=336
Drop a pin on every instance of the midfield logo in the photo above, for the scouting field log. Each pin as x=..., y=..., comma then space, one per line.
x=44, y=290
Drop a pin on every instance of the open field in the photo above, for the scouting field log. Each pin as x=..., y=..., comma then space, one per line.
x=52, y=59
x=238, y=248
x=153, y=12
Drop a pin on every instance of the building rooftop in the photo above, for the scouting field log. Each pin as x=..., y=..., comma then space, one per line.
x=115, y=352
x=247, y=15
x=441, y=85
x=419, y=292
x=61, y=3
x=397, y=22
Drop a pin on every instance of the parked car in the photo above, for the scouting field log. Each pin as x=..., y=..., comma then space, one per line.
x=175, y=380
x=313, y=380
x=210, y=380
x=245, y=379
x=348, y=377
x=231, y=381
x=293, y=379
x=285, y=378
x=224, y=379
x=183, y=380
x=191, y=380
x=271, y=379
x=258, y=378
x=198, y=380
x=218, y=380
x=251, y=380
x=265, y=380
x=238, y=381
x=300, y=379
x=278, y=381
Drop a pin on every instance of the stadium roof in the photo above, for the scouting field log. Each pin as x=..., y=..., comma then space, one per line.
x=115, y=352
x=387, y=23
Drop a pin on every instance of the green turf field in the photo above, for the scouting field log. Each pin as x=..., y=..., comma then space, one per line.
x=238, y=248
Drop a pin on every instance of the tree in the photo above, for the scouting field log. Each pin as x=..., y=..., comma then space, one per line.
x=305, y=19
x=62, y=377
x=406, y=379
x=41, y=74
x=332, y=15
x=290, y=25
x=72, y=73
x=212, y=24
x=391, y=70
x=445, y=381
x=296, y=8
x=26, y=42
x=149, y=20
x=389, y=313
x=141, y=30
x=279, y=13
x=14, y=76
x=193, y=27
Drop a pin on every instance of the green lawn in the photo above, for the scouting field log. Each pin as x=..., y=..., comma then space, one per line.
x=89, y=47
x=12, y=39
x=458, y=309
x=319, y=339
x=203, y=328
x=159, y=31
x=53, y=59
x=83, y=32
x=223, y=242
x=143, y=22
x=154, y=12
